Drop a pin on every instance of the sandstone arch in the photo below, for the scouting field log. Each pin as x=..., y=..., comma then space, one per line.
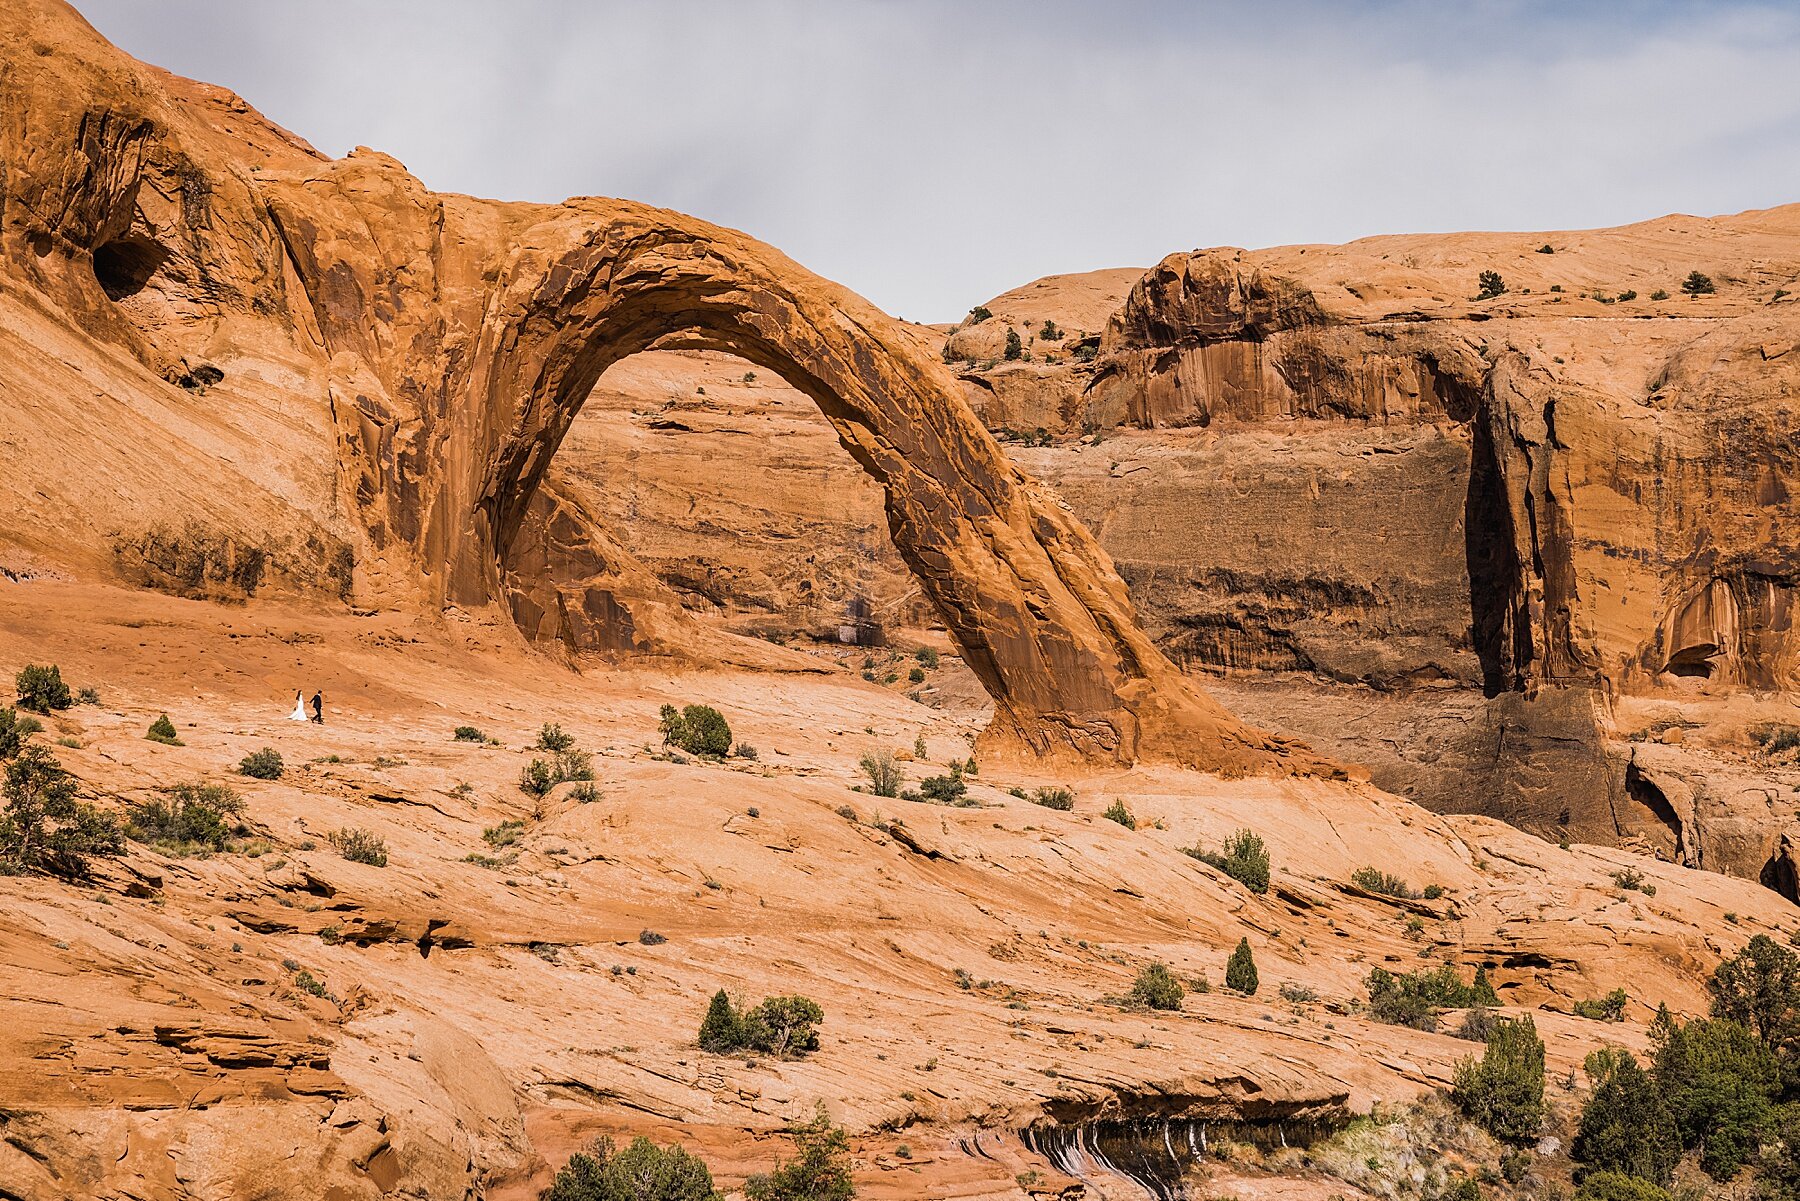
x=453, y=340
x=1029, y=596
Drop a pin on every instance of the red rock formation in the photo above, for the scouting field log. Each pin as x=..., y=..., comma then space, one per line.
x=456, y=340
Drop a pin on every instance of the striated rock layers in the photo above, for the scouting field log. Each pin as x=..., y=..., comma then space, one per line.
x=447, y=343
x=1505, y=550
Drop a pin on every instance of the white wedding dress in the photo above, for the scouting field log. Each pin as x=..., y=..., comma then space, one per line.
x=299, y=713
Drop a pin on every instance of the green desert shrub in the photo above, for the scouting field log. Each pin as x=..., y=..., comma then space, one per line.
x=1625, y=1125
x=1697, y=284
x=359, y=846
x=163, y=730
x=1503, y=1091
x=1371, y=879
x=1491, y=285
x=43, y=827
x=944, y=790
x=189, y=818
x=552, y=738
x=1413, y=998
x=1117, y=812
x=13, y=731
x=41, y=688
x=262, y=765
x=469, y=734
x=785, y=1027
x=1157, y=988
x=927, y=657
x=1759, y=988
x=1721, y=1082
x=820, y=1171
x=1610, y=1008
x=1615, y=1186
x=884, y=773
x=643, y=1171
x=1476, y=1025
x=696, y=729
x=1052, y=797
x=978, y=314
x=536, y=778
x=1244, y=858
x=1240, y=969
x=1015, y=347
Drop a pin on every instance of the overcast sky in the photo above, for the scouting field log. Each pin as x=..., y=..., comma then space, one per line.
x=931, y=153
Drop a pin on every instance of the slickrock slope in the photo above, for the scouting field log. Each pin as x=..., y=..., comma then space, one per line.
x=435, y=349
x=490, y=1008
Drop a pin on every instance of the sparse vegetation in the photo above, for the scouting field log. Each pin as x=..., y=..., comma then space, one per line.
x=884, y=773
x=1697, y=284
x=945, y=790
x=927, y=657
x=1117, y=812
x=163, y=730
x=1240, y=969
x=1546, y=248
x=43, y=827
x=13, y=731
x=359, y=846
x=1775, y=737
x=1370, y=879
x=1157, y=988
x=697, y=729
x=1414, y=998
x=1491, y=285
x=1625, y=1126
x=1245, y=858
x=745, y=751
x=262, y=765
x=41, y=689
x=821, y=1172
x=1659, y=294
x=1610, y=1008
x=1049, y=332
x=1503, y=1091
x=194, y=818
x=643, y=1171
x=785, y=1027
x=469, y=734
x=651, y=938
x=1631, y=880
x=536, y=779
x=1051, y=796
x=552, y=738
x=978, y=314
x=1015, y=347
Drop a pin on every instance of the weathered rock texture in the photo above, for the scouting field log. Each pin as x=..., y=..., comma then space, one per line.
x=450, y=343
x=1476, y=543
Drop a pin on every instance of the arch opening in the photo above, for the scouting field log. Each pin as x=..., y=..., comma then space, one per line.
x=125, y=266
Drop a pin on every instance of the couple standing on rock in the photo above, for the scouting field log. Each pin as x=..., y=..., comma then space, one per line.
x=318, y=708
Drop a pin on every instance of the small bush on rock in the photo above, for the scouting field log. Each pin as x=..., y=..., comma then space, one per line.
x=41, y=689
x=469, y=734
x=1117, y=812
x=262, y=765
x=13, y=732
x=1370, y=879
x=786, y=1027
x=195, y=817
x=551, y=738
x=642, y=1172
x=1240, y=969
x=696, y=729
x=1157, y=988
x=43, y=827
x=884, y=773
x=1245, y=858
x=163, y=730
x=359, y=846
x=1503, y=1092
x=820, y=1173
x=1051, y=797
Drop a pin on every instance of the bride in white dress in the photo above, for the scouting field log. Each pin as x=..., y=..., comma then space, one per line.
x=299, y=713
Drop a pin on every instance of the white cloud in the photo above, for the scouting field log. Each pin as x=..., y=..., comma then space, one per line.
x=930, y=154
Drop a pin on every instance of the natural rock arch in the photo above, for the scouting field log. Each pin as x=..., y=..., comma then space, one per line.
x=1031, y=599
